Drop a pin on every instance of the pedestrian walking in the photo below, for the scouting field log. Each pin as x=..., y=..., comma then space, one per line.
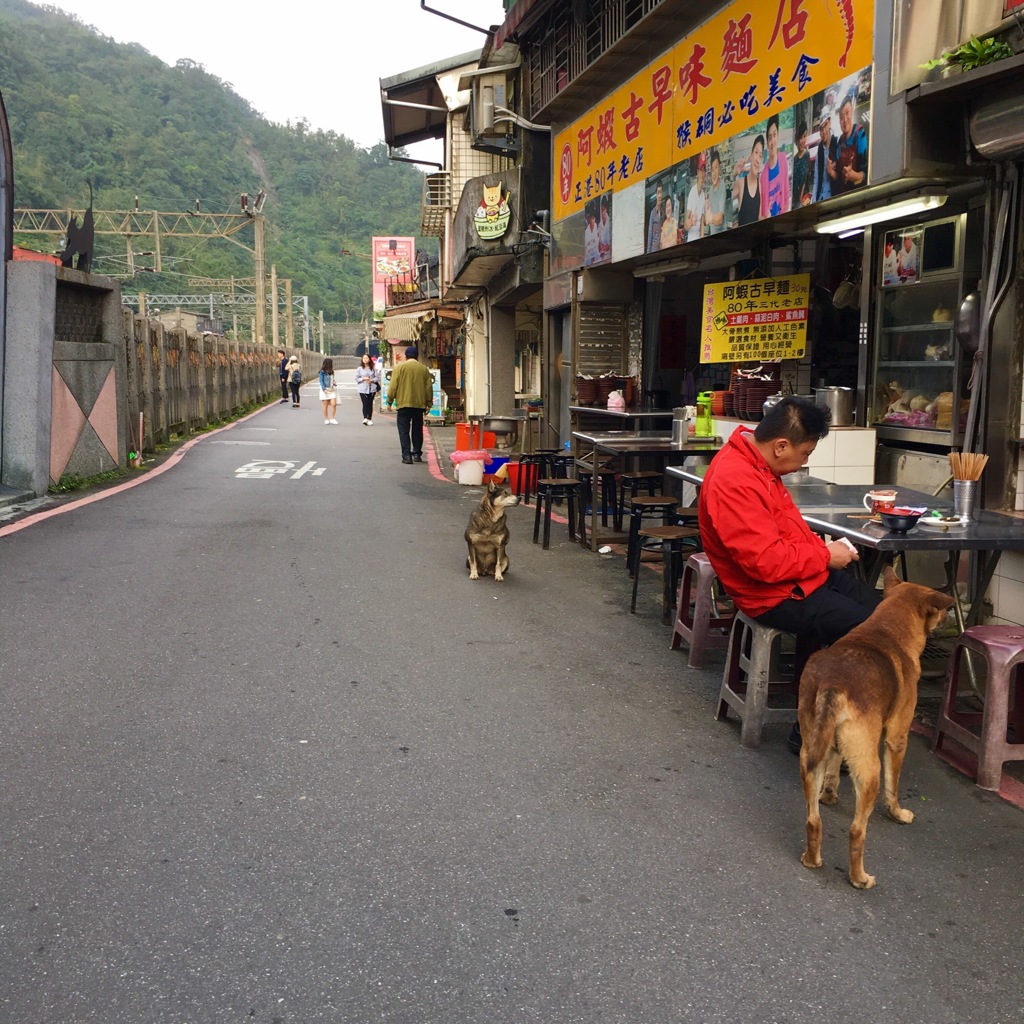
x=282, y=366
x=368, y=381
x=294, y=379
x=412, y=391
x=328, y=393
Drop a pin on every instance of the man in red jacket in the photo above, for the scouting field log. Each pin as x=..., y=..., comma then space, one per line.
x=769, y=562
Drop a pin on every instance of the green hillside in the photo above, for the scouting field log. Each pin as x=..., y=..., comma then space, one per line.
x=84, y=108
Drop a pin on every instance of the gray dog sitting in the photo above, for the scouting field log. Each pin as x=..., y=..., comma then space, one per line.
x=487, y=534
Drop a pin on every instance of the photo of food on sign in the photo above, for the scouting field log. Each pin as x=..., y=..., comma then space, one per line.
x=392, y=266
x=392, y=257
x=729, y=144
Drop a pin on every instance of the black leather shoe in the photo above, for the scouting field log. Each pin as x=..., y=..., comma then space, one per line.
x=794, y=740
x=407, y=462
x=417, y=458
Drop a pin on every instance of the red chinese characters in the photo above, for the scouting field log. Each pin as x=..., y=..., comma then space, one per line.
x=629, y=116
x=606, y=131
x=738, y=48
x=794, y=28
x=584, y=138
x=691, y=75
x=661, y=85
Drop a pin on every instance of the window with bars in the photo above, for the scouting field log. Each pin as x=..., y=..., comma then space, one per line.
x=565, y=44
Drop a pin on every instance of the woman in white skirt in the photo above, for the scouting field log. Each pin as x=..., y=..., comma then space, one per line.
x=328, y=394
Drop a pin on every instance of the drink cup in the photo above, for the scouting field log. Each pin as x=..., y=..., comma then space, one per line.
x=880, y=501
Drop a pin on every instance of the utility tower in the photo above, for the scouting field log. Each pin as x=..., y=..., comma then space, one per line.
x=132, y=224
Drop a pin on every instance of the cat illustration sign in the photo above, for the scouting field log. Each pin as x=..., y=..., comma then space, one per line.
x=493, y=214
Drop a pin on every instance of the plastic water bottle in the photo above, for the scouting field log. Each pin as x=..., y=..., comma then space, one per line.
x=704, y=426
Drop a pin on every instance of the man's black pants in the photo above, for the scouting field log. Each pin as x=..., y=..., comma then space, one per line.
x=410, y=431
x=828, y=613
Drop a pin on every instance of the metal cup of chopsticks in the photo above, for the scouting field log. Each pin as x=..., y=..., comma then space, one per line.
x=967, y=467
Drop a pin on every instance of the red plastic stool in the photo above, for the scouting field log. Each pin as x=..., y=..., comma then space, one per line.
x=1002, y=647
x=698, y=626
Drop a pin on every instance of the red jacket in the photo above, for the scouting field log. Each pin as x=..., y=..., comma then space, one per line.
x=753, y=534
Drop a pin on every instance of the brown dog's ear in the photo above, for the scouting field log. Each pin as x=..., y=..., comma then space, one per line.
x=941, y=602
x=890, y=579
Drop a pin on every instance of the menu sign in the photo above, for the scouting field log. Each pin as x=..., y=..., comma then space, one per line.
x=758, y=318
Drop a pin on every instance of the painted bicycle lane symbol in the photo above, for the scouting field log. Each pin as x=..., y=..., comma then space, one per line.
x=265, y=469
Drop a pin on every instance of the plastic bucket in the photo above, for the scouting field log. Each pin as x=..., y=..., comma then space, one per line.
x=470, y=432
x=514, y=470
x=471, y=472
x=497, y=461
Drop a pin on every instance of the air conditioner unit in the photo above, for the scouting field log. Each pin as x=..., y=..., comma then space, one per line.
x=491, y=130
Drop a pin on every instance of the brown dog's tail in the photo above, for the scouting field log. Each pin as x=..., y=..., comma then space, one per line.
x=829, y=705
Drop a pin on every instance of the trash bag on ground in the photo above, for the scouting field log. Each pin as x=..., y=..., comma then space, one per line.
x=476, y=455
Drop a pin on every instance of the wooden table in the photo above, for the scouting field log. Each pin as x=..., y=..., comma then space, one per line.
x=631, y=446
x=837, y=510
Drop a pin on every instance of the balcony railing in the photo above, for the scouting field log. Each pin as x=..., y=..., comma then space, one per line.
x=437, y=203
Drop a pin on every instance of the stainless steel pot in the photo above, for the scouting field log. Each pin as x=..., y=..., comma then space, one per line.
x=839, y=402
x=771, y=401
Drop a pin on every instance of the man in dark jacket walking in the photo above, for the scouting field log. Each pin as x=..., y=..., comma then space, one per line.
x=282, y=361
x=412, y=391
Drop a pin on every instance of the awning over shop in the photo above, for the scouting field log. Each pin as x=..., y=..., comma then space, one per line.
x=405, y=326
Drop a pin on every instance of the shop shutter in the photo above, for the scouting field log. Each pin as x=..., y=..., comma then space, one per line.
x=601, y=334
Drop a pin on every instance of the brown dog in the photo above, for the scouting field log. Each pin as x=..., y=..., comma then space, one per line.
x=487, y=534
x=864, y=686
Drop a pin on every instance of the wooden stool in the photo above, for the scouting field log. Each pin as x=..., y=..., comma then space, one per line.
x=630, y=485
x=606, y=479
x=529, y=474
x=747, y=683
x=699, y=627
x=561, y=464
x=646, y=507
x=547, y=491
x=1002, y=647
x=673, y=540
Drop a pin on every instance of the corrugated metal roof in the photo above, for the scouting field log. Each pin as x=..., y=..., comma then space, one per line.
x=404, y=125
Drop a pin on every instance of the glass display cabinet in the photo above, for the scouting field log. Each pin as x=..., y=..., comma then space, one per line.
x=921, y=370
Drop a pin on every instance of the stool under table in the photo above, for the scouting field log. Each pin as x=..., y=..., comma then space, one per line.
x=700, y=626
x=551, y=490
x=752, y=675
x=673, y=540
x=1002, y=648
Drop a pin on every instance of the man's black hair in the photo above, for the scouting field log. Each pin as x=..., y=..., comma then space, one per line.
x=796, y=419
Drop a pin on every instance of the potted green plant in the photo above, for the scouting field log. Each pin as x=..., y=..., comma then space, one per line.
x=975, y=53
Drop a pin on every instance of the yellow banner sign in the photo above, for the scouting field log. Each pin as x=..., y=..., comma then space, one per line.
x=759, y=318
x=742, y=65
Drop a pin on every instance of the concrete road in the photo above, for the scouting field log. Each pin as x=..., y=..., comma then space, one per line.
x=269, y=755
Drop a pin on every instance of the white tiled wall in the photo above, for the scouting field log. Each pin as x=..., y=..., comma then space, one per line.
x=846, y=455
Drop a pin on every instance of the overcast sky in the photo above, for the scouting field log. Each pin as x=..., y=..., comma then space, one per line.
x=302, y=59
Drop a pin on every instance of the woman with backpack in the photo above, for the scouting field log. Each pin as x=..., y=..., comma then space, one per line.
x=294, y=379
